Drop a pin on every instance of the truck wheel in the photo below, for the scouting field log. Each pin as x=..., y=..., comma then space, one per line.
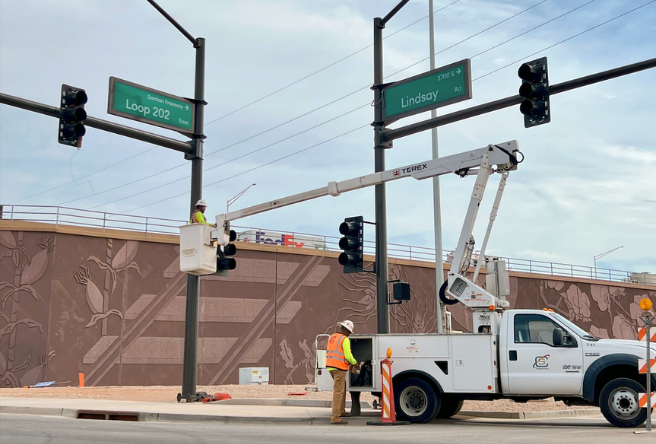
x=618, y=402
x=415, y=400
x=449, y=406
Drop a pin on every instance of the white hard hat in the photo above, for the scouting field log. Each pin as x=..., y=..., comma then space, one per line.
x=347, y=325
x=201, y=203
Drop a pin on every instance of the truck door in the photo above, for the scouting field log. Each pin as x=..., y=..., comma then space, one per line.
x=543, y=358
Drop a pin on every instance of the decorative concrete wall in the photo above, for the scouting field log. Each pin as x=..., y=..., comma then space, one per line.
x=112, y=305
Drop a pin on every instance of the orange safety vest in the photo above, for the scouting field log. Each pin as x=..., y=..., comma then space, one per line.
x=194, y=219
x=335, y=352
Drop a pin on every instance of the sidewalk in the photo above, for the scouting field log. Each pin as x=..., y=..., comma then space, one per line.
x=305, y=411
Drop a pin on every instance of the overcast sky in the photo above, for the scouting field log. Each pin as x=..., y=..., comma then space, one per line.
x=588, y=184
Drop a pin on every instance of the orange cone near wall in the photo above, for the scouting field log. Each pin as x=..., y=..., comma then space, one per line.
x=81, y=375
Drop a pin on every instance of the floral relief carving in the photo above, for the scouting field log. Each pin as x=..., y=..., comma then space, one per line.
x=288, y=357
x=578, y=304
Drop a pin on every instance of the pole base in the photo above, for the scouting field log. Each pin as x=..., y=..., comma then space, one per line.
x=381, y=423
x=191, y=398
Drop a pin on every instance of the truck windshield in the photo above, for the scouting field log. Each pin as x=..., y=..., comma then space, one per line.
x=575, y=328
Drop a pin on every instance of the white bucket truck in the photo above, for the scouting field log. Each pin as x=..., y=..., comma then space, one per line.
x=513, y=354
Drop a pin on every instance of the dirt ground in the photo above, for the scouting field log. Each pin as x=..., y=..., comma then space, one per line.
x=168, y=394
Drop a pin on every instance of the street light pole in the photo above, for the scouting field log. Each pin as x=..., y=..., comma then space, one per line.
x=437, y=211
x=599, y=256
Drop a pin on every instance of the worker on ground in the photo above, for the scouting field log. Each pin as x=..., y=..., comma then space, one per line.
x=338, y=358
x=198, y=217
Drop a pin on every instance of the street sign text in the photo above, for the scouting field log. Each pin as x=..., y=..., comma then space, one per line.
x=136, y=102
x=433, y=89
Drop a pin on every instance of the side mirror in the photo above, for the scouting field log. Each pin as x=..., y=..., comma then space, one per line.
x=558, y=337
x=562, y=339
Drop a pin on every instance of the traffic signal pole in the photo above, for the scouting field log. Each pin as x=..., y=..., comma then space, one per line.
x=382, y=309
x=190, y=359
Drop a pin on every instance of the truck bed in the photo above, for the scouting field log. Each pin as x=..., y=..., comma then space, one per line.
x=460, y=363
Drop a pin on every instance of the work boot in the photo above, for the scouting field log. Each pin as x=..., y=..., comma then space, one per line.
x=339, y=423
x=345, y=415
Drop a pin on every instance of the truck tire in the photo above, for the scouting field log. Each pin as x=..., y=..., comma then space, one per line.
x=618, y=402
x=415, y=400
x=449, y=406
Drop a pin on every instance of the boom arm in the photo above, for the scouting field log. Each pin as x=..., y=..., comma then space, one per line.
x=501, y=155
x=483, y=162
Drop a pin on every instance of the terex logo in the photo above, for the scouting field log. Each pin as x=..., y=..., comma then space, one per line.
x=419, y=167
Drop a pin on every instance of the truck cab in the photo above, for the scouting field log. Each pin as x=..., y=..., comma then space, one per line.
x=544, y=354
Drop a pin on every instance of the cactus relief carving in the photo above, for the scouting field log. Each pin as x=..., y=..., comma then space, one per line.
x=97, y=299
x=27, y=271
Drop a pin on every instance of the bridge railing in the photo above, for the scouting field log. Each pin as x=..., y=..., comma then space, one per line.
x=116, y=221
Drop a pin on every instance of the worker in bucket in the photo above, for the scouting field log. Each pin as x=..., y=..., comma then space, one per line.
x=338, y=358
x=198, y=217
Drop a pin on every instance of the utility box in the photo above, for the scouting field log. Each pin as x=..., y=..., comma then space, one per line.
x=197, y=249
x=253, y=375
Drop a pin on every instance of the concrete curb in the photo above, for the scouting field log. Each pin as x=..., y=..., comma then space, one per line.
x=151, y=416
x=549, y=414
x=193, y=417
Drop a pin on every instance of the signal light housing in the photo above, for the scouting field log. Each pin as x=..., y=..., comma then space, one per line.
x=72, y=116
x=352, y=244
x=223, y=262
x=534, y=92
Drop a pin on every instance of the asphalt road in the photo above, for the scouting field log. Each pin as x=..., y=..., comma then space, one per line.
x=31, y=429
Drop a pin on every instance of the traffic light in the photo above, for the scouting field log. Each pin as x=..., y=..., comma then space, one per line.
x=72, y=116
x=534, y=92
x=225, y=249
x=352, y=243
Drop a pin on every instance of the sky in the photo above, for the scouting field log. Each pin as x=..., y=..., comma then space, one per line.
x=289, y=108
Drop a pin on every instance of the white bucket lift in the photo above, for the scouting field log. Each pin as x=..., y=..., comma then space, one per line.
x=197, y=249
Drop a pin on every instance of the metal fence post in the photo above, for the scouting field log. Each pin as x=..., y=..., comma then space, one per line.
x=146, y=231
x=57, y=221
x=104, y=220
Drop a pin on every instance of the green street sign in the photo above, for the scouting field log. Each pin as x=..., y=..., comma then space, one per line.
x=137, y=102
x=433, y=89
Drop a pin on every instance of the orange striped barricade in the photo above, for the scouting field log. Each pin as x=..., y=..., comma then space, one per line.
x=388, y=413
x=642, y=400
x=642, y=334
x=642, y=366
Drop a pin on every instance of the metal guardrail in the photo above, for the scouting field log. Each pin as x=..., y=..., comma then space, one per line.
x=116, y=221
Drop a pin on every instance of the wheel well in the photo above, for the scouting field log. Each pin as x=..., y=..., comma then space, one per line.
x=420, y=375
x=614, y=372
